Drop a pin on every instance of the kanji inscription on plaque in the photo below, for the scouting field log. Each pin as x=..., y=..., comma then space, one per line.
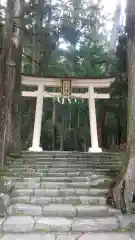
x=66, y=87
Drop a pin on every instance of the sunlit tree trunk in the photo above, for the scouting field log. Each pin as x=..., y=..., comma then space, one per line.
x=130, y=171
x=127, y=178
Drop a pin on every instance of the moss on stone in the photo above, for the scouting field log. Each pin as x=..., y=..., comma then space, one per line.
x=15, y=155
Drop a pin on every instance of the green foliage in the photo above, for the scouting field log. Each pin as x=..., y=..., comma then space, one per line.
x=84, y=53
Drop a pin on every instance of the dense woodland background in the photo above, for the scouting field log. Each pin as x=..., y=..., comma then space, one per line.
x=85, y=52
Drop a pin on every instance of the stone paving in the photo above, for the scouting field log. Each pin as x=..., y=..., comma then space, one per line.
x=88, y=236
x=27, y=224
x=58, y=198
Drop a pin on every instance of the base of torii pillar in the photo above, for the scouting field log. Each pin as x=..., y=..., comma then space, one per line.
x=35, y=149
x=95, y=150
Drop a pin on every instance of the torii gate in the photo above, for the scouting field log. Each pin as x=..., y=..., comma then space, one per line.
x=66, y=84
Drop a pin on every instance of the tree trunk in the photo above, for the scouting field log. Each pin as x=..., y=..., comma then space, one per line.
x=127, y=178
x=16, y=95
x=101, y=125
x=62, y=127
x=62, y=135
x=6, y=83
x=37, y=65
x=130, y=171
x=10, y=77
x=119, y=130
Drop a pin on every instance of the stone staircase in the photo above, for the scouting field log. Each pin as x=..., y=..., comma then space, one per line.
x=61, y=195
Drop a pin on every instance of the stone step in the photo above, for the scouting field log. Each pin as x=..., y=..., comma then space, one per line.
x=65, y=160
x=67, y=166
x=48, y=160
x=52, y=185
x=64, y=164
x=69, y=236
x=44, y=166
x=27, y=224
x=63, y=169
x=45, y=172
x=75, y=175
x=60, y=210
x=53, y=175
x=68, y=153
x=39, y=200
x=20, y=176
x=65, y=154
x=72, y=160
x=27, y=173
x=68, y=179
x=59, y=192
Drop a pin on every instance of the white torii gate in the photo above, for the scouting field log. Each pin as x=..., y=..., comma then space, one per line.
x=91, y=95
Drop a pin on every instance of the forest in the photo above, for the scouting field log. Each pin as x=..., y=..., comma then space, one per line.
x=67, y=38
x=57, y=40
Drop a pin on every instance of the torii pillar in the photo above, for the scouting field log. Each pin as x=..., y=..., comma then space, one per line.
x=38, y=120
x=93, y=122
